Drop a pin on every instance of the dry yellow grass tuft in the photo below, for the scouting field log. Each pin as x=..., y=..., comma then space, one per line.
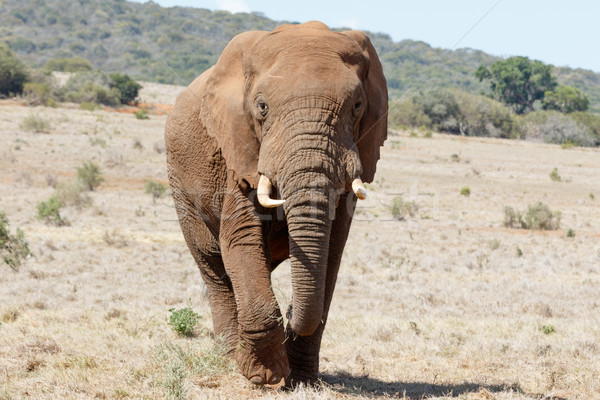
x=446, y=303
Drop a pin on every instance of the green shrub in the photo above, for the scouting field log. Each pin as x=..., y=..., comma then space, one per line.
x=37, y=93
x=49, y=211
x=557, y=128
x=183, y=320
x=565, y=99
x=589, y=120
x=482, y=116
x=88, y=106
x=443, y=110
x=156, y=189
x=89, y=175
x=13, y=248
x=538, y=217
x=35, y=123
x=548, y=329
x=402, y=209
x=93, y=86
x=141, y=114
x=75, y=64
x=554, y=176
x=403, y=113
x=465, y=191
x=453, y=111
x=128, y=88
x=570, y=233
x=13, y=74
x=513, y=218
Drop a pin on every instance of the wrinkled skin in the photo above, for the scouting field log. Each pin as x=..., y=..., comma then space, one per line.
x=307, y=108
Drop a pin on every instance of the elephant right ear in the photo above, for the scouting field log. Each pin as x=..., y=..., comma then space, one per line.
x=221, y=94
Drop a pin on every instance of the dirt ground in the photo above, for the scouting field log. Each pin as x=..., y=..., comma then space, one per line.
x=446, y=303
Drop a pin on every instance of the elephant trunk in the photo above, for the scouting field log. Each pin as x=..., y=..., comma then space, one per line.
x=309, y=227
x=314, y=173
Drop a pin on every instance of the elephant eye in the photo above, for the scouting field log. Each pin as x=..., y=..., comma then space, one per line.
x=262, y=106
x=356, y=108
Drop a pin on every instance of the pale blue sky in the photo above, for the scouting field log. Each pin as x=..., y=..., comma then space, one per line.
x=563, y=33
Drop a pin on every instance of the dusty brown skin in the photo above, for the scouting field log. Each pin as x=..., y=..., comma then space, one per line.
x=305, y=107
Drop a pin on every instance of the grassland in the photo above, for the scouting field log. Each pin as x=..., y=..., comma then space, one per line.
x=446, y=303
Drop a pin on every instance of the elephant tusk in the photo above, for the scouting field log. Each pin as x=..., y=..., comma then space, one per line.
x=263, y=194
x=359, y=189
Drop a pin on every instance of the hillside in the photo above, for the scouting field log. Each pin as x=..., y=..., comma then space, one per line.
x=174, y=45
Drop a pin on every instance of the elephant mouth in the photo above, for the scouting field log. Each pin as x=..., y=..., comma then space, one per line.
x=265, y=186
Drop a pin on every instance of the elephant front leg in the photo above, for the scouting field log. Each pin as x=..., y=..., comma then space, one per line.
x=260, y=354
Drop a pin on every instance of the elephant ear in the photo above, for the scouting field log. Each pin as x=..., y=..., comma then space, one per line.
x=373, y=126
x=222, y=109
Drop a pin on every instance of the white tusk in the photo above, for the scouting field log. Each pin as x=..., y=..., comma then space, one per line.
x=359, y=189
x=263, y=193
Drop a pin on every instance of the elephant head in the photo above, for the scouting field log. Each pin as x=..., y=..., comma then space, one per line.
x=301, y=109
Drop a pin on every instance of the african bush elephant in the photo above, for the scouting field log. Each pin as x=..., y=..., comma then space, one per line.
x=298, y=113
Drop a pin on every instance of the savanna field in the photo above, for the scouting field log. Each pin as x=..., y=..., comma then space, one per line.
x=436, y=297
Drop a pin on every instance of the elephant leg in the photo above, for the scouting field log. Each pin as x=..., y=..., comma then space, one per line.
x=221, y=299
x=303, y=351
x=205, y=250
x=260, y=353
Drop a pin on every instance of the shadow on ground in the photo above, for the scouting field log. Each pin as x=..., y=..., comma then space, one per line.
x=346, y=383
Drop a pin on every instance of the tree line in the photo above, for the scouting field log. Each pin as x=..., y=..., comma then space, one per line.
x=174, y=45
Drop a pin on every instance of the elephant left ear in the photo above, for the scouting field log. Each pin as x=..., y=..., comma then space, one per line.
x=373, y=126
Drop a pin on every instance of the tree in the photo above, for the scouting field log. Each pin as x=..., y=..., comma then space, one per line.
x=566, y=99
x=128, y=87
x=518, y=81
x=13, y=74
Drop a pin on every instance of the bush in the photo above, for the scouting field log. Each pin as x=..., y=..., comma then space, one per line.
x=442, y=109
x=407, y=113
x=128, y=88
x=89, y=175
x=141, y=114
x=49, y=211
x=453, y=111
x=183, y=320
x=589, y=120
x=482, y=116
x=538, y=217
x=566, y=99
x=554, y=176
x=553, y=127
x=13, y=74
x=512, y=218
x=35, y=123
x=401, y=208
x=75, y=64
x=91, y=87
x=570, y=233
x=13, y=248
x=156, y=189
x=465, y=191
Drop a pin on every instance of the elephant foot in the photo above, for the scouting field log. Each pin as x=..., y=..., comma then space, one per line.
x=303, y=356
x=261, y=357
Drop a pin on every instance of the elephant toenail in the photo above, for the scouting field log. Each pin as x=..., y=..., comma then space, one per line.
x=274, y=379
x=257, y=380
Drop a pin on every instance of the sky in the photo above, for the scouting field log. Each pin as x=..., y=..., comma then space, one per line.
x=558, y=32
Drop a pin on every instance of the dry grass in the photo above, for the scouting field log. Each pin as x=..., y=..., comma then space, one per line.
x=440, y=305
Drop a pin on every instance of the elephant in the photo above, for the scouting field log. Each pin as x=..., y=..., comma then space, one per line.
x=267, y=152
